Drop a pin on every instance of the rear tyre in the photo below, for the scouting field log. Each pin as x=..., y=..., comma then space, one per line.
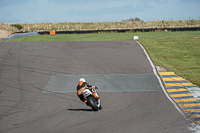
x=92, y=104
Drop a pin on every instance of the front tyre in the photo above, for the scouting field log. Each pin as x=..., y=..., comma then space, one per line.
x=92, y=104
x=100, y=107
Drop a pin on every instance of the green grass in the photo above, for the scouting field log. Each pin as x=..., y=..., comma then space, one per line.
x=79, y=37
x=176, y=51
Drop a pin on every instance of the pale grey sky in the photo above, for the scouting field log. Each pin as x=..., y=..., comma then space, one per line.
x=96, y=10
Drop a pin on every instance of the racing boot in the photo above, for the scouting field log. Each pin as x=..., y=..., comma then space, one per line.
x=86, y=102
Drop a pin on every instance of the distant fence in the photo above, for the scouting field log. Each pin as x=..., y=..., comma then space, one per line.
x=19, y=35
x=123, y=30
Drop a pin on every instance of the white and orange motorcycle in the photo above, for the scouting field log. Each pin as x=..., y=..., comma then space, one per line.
x=92, y=100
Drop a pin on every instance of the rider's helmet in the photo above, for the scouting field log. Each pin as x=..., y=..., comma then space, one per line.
x=81, y=80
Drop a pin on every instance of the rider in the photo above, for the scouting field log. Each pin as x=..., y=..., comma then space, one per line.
x=82, y=85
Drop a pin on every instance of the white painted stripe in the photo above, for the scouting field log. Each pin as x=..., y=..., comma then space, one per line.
x=197, y=127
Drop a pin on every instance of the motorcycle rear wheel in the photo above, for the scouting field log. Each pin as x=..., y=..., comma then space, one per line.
x=92, y=104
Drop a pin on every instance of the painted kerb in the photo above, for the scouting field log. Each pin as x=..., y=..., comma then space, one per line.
x=179, y=90
x=193, y=122
x=19, y=35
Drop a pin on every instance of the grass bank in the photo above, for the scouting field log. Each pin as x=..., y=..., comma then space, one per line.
x=77, y=26
x=176, y=51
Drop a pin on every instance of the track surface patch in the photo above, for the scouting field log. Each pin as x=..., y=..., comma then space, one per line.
x=105, y=82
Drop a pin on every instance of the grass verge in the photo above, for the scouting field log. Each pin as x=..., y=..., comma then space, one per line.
x=176, y=51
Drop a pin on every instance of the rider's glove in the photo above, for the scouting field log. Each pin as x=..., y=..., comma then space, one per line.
x=94, y=87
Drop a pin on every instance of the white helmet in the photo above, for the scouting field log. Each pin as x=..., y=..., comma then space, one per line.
x=81, y=80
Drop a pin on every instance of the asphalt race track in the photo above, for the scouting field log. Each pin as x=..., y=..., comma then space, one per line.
x=38, y=95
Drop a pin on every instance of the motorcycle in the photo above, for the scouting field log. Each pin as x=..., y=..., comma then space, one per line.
x=93, y=102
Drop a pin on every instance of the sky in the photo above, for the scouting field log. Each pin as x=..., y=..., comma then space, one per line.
x=30, y=11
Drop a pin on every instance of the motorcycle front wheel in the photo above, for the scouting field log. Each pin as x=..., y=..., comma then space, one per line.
x=92, y=103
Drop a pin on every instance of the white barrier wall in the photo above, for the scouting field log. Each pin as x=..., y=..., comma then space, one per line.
x=19, y=35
